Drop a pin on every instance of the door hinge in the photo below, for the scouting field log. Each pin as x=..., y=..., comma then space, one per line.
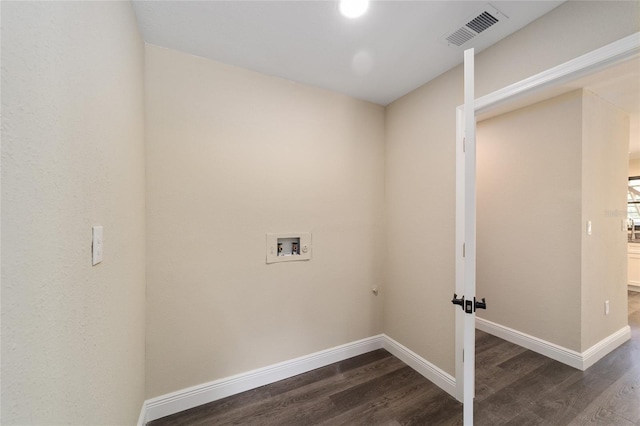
x=464, y=144
x=464, y=250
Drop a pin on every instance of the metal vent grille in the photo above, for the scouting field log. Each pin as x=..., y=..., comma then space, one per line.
x=460, y=37
x=474, y=25
x=482, y=22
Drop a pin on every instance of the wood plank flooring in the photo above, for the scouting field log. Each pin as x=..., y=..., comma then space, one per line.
x=514, y=386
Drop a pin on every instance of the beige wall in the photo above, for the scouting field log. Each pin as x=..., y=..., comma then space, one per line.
x=634, y=167
x=634, y=137
x=231, y=156
x=228, y=151
x=529, y=219
x=605, y=147
x=420, y=166
x=420, y=198
x=72, y=157
x=543, y=172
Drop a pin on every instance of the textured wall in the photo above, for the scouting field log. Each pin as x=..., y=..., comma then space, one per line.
x=543, y=172
x=231, y=156
x=529, y=219
x=420, y=199
x=223, y=145
x=72, y=157
x=605, y=152
x=420, y=166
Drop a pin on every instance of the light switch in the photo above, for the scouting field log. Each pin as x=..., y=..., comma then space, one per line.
x=97, y=246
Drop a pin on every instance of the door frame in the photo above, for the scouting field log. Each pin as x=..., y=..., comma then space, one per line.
x=612, y=54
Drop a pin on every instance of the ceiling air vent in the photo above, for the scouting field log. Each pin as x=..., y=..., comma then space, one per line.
x=461, y=36
x=482, y=22
x=474, y=25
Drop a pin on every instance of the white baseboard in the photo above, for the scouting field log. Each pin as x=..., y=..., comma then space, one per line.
x=194, y=396
x=434, y=374
x=634, y=287
x=598, y=351
x=142, y=419
x=551, y=350
x=578, y=360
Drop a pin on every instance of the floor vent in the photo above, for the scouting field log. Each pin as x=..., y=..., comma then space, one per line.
x=476, y=24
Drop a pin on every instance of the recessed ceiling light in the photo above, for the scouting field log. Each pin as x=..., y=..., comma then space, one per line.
x=353, y=8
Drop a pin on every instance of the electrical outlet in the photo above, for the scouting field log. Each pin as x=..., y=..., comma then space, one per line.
x=606, y=307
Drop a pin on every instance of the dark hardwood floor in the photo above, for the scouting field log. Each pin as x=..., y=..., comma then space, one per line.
x=514, y=386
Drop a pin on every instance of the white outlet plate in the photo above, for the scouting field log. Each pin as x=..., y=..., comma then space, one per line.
x=97, y=246
x=272, y=247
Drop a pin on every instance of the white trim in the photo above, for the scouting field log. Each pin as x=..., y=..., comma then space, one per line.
x=551, y=350
x=632, y=287
x=194, y=396
x=574, y=359
x=469, y=219
x=442, y=379
x=142, y=419
x=598, y=351
x=460, y=234
x=613, y=53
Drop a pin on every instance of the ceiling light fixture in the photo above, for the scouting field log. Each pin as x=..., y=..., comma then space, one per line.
x=353, y=8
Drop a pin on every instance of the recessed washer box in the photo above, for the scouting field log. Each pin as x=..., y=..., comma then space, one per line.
x=288, y=247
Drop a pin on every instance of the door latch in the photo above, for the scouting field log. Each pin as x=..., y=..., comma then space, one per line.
x=457, y=301
x=469, y=306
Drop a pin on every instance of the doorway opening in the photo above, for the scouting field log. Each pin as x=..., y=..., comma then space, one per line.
x=561, y=81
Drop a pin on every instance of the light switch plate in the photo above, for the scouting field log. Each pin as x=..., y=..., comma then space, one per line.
x=97, y=246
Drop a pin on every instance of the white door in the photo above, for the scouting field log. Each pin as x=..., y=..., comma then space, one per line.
x=466, y=244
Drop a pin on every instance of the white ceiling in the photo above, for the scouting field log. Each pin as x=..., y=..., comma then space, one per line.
x=394, y=48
